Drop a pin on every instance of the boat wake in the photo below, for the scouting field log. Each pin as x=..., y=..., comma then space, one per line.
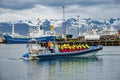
x=14, y=58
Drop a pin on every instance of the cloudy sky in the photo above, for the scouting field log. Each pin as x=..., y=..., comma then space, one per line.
x=52, y=9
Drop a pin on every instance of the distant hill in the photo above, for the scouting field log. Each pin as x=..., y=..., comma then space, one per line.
x=22, y=27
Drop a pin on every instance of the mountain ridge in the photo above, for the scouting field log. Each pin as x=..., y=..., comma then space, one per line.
x=22, y=26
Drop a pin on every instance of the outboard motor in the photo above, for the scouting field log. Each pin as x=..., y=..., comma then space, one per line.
x=26, y=55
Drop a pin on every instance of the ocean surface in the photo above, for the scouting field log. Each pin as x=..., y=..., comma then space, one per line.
x=106, y=65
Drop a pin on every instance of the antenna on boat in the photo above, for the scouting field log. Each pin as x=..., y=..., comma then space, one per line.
x=13, y=29
x=64, y=27
x=78, y=24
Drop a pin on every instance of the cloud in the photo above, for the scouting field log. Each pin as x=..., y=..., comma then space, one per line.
x=38, y=11
x=75, y=2
x=52, y=9
x=99, y=11
x=45, y=12
x=27, y=4
x=17, y=4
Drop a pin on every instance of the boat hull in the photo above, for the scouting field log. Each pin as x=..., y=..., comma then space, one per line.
x=82, y=53
x=10, y=39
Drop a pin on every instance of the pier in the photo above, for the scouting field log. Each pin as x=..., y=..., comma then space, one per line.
x=1, y=39
x=77, y=41
x=109, y=40
x=106, y=40
x=89, y=42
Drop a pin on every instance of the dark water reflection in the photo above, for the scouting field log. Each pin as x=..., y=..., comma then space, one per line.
x=65, y=69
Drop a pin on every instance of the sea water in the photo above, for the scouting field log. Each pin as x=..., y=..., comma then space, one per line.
x=106, y=65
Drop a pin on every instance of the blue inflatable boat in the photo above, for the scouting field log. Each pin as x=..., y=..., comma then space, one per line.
x=44, y=53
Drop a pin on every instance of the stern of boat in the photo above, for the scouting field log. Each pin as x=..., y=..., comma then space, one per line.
x=30, y=56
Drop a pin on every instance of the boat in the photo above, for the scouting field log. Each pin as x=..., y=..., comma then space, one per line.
x=35, y=33
x=37, y=52
x=11, y=39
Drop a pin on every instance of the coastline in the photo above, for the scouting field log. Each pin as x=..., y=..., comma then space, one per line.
x=76, y=41
x=108, y=42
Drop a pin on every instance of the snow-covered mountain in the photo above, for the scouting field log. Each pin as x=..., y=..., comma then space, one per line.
x=72, y=27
